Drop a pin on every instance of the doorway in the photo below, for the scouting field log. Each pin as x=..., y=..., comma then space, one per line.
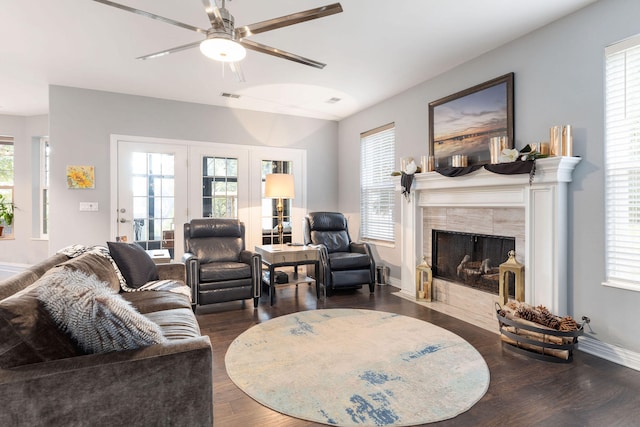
x=160, y=184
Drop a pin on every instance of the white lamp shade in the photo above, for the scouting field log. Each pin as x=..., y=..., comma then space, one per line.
x=224, y=50
x=279, y=186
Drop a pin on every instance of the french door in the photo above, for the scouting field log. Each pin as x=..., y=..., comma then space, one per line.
x=161, y=184
x=152, y=195
x=219, y=182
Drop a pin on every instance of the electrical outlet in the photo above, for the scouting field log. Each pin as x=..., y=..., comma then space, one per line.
x=88, y=206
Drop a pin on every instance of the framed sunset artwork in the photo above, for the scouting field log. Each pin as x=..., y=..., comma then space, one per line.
x=463, y=123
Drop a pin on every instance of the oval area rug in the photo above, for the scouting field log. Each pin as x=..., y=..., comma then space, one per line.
x=351, y=367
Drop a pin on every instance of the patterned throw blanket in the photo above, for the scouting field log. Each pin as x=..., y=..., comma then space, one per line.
x=155, y=285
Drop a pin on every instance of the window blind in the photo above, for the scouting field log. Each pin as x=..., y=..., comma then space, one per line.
x=377, y=154
x=622, y=164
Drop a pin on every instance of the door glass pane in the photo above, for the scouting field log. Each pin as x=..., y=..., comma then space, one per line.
x=269, y=206
x=219, y=187
x=153, y=201
x=139, y=163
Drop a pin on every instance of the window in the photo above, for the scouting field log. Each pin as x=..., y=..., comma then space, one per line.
x=6, y=179
x=622, y=164
x=219, y=187
x=153, y=200
x=44, y=187
x=377, y=154
x=269, y=206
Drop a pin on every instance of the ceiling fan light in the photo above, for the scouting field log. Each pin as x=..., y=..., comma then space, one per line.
x=223, y=50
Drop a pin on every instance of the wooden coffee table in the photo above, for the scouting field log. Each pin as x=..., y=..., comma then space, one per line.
x=274, y=256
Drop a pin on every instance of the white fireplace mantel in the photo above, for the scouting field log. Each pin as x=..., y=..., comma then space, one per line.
x=546, y=221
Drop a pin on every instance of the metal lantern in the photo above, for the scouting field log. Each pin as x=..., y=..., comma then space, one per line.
x=424, y=277
x=511, y=265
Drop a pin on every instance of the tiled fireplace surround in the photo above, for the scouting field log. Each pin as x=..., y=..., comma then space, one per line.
x=492, y=204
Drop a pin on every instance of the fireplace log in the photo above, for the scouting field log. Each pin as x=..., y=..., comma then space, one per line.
x=508, y=314
x=535, y=335
x=560, y=354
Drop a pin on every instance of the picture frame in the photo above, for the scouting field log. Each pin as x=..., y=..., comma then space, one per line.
x=464, y=123
x=81, y=177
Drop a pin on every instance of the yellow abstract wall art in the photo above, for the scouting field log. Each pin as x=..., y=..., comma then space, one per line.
x=80, y=177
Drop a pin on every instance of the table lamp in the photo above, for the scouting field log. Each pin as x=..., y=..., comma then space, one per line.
x=279, y=186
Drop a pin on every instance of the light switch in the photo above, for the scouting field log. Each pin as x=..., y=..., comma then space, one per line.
x=88, y=206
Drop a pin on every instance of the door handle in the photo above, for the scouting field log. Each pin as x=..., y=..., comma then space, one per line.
x=123, y=220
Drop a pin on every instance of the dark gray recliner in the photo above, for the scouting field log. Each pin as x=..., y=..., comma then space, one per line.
x=219, y=268
x=343, y=263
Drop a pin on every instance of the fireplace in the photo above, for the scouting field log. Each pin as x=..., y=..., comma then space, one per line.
x=489, y=204
x=471, y=259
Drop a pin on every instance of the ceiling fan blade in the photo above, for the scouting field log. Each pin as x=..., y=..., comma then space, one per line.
x=172, y=50
x=237, y=71
x=152, y=16
x=214, y=14
x=284, y=21
x=258, y=47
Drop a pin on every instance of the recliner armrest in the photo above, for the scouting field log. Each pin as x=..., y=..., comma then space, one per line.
x=360, y=247
x=246, y=256
x=192, y=265
x=254, y=259
x=188, y=256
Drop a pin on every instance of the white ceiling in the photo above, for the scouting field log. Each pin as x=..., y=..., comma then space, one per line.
x=373, y=50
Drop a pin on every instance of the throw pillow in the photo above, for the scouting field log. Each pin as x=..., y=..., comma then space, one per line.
x=28, y=334
x=91, y=263
x=96, y=317
x=134, y=263
x=74, y=251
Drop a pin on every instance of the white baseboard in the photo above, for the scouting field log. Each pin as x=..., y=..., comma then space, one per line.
x=610, y=352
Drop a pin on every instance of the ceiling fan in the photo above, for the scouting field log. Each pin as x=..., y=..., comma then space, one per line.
x=226, y=43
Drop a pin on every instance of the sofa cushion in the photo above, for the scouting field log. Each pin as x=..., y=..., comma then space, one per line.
x=148, y=302
x=327, y=221
x=103, y=251
x=222, y=271
x=19, y=281
x=95, y=316
x=176, y=324
x=90, y=263
x=335, y=241
x=16, y=283
x=28, y=334
x=349, y=260
x=216, y=249
x=136, y=265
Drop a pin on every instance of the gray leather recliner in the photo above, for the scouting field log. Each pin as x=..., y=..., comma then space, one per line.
x=343, y=263
x=219, y=268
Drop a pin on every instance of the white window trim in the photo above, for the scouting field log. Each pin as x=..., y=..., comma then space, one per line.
x=10, y=140
x=43, y=186
x=382, y=182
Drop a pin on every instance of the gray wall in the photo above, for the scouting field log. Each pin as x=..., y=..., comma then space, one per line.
x=81, y=122
x=559, y=75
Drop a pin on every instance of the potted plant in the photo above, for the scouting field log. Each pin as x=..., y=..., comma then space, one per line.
x=6, y=213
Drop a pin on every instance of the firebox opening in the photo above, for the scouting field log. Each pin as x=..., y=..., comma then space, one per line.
x=471, y=259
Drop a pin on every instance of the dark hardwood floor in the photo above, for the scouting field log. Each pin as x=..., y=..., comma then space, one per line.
x=523, y=392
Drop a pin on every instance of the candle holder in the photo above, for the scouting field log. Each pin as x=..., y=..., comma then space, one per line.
x=424, y=278
x=511, y=266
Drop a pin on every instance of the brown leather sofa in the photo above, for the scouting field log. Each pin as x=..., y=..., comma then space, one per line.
x=47, y=380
